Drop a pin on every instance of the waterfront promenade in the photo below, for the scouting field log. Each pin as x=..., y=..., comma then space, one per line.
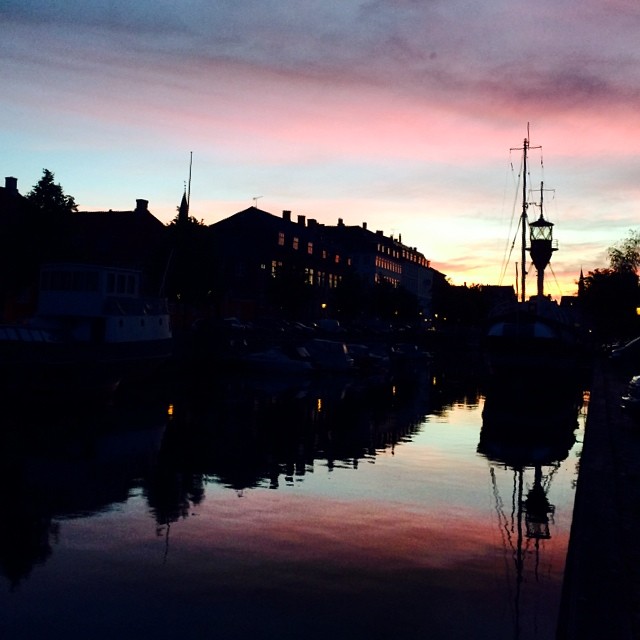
x=601, y=592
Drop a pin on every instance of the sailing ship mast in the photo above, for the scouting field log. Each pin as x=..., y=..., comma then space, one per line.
x=523, y=221
x=523, y=216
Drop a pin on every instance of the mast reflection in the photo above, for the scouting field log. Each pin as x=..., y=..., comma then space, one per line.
x=528, y=433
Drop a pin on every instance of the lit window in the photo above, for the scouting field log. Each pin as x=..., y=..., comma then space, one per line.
x=281, y=238
x=295, y=244
x=337, y=258
x=310, y=248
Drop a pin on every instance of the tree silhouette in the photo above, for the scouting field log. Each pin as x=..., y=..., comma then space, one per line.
x=47, y=227
x=49, y=197
x=610, y=295
x=624, y=257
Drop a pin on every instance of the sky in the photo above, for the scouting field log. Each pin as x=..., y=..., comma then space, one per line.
x=404, y=114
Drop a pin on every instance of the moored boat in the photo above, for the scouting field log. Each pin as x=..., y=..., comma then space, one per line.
x=535, y=335
x=92, y=328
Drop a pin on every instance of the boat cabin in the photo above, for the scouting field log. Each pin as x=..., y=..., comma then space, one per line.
x=81, y=289
x=99, y=304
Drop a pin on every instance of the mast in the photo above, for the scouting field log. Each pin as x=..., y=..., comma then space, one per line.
x=189, y=189
x=523, y=218
x=523, y=274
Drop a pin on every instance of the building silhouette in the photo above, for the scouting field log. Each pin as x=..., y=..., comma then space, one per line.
x=255, y=248
x=251, y=264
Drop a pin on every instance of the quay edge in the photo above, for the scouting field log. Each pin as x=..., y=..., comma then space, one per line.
x=601, y=589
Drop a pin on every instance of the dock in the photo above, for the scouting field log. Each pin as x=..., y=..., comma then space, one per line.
x=601, y=589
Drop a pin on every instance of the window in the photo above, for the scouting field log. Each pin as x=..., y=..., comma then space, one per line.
x=281, y=238
x=295, y=243
x=275, y=265
x=310, y=248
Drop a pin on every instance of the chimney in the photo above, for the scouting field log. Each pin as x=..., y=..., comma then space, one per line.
x=301, y=220
x=142, y=205
x=286, y=215
x=364, y=226
x=312, y=222
x=340, y=222
x=11, y=185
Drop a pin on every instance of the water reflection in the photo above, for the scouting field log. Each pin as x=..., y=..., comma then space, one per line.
x=527, y=432
x=248, y=432
x=63, y=466
x=293, y=506
x=240, y=432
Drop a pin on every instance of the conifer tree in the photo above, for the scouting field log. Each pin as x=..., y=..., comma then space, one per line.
x=49, y=197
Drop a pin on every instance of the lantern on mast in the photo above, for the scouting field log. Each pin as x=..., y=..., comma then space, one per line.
x=541, y=245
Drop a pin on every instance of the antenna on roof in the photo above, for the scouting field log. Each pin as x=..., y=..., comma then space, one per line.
x=189, y=190
x=255, y=201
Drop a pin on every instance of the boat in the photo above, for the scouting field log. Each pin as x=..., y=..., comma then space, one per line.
x=329, y=356
x=535, y=335
x=276, y=360
x=92, y=328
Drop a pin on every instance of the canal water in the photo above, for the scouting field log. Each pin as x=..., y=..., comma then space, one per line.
x=242, y=507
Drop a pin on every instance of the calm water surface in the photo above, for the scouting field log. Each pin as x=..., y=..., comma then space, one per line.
x=262, y=509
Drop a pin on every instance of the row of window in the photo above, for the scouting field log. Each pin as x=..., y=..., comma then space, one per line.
x=379, y=279
x=411, y=256
x=388, y=265
x=382, y=249
x=87, y=281
x=312, y=277
x=295, y=244
x=121, y=283
x=66, y=280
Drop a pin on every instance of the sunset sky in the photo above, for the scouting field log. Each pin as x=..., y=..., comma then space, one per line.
x=397, y=113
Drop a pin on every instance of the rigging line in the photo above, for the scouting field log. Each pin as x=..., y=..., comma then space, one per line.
x=505, y=535
x=555, y=280
x=507, y=262
x=499, y=508
x=506, y=256
x=549, y=478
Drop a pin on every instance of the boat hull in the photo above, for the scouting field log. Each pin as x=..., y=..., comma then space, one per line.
x=38, y=363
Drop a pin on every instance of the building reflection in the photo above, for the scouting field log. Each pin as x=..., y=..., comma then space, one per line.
x=237, y=432
x=63, y=466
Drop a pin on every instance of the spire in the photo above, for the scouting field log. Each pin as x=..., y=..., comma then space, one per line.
x=581, y=283
x=183, y=211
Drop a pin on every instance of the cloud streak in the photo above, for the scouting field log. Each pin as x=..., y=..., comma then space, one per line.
x=400, y=112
